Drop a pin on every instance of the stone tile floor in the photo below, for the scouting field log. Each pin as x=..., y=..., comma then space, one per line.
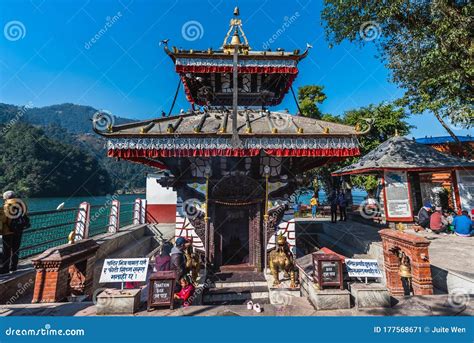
x=436, y=305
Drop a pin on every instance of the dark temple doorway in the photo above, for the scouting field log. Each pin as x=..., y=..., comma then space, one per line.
x=232, y=235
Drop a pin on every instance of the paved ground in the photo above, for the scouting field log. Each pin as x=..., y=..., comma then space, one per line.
x=448, y=252
x=438, y=305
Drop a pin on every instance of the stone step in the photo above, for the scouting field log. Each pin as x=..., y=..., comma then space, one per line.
x=237, y=279
x=236, y=295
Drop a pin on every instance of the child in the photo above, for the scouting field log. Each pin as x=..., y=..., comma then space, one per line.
x=185, y=294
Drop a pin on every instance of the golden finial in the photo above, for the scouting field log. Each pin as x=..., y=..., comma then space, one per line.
x=196, y=130
x=238, y=37
x=357, y=127
x=248, y=130
x=300, y=130
x=326, y=130
x=274, y=130
x=400, y=227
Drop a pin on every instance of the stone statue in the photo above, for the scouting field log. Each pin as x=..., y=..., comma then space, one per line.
x=281, y=259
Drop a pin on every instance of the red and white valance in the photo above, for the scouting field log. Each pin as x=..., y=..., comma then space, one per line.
x=129, y=148
x=208, y=65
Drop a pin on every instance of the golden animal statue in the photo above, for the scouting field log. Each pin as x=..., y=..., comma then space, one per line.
x=193, y=263
x=281, y=259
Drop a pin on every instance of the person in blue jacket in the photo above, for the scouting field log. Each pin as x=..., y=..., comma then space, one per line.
x=463, y=225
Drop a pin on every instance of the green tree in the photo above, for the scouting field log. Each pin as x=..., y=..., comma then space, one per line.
x=387, y=121
x=309, y=99
x=32, y=164
x=427, y=45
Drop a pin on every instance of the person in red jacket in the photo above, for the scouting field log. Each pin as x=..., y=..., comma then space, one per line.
x=184, y=296
x=438, y=223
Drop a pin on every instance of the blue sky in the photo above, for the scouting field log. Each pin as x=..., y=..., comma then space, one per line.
x=53, y=59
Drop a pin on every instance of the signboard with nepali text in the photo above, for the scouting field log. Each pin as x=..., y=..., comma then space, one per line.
x=363, y=268
x=397, y=195
x=124, y=270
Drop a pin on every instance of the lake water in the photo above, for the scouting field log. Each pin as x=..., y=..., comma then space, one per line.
x=47, y=204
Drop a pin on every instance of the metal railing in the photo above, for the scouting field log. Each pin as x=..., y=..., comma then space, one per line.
x=48, y=229
x=52, y=228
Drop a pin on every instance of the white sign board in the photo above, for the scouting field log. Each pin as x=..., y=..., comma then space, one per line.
x=397, y=195
x=362, y=268
x=466, y=189
x=124, y=270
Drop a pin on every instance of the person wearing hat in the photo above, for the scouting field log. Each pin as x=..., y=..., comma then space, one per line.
x=14, y=219
x=438, y=223
x=177, y=260
x=424, y=215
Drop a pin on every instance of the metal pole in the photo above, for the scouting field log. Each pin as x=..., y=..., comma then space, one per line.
x=235, y=90
x=265, y=217
x=206, y=227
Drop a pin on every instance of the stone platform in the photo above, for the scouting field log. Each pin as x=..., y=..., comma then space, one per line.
x=451, y=256
x=370, y=295
x=427, y=305
x=115, y=301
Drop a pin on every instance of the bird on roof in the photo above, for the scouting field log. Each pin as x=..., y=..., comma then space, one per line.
x=309, y=46
x=164, y=42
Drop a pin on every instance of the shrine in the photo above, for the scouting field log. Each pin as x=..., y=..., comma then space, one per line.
x=228, y=166
x=411, y=173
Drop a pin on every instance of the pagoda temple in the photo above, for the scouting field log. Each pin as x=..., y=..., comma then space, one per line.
x=227, y=168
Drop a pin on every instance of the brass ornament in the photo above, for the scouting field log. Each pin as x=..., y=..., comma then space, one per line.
x=281, y=259
x=193, y=263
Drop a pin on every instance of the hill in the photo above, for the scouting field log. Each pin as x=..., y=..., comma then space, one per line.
x=68, y=126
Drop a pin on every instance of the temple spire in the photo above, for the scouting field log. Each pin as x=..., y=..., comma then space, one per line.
x=235, y=35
